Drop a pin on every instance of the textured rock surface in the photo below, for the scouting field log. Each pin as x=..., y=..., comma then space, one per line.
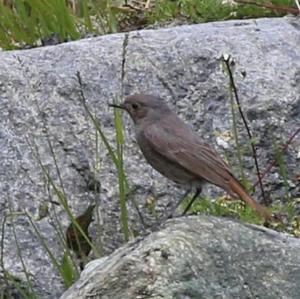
x=197, y=257
x=39, y=88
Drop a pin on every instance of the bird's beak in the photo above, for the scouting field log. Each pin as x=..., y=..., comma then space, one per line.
x=120, y=106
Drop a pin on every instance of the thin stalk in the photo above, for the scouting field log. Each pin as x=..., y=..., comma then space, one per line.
x=19, y=253
x=236, y=138
x=113, y=156
x=8, y=277
x=95, y=121
x=46, y=131
x=58, y=227
x=267, y=5
x=282, y=169
x=121, y=174
x=35, y=151
x=63, y=201
x=227, y=62
x=284, y=148
x=44, y=244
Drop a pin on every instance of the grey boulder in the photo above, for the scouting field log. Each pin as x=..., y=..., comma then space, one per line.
x=197, y=257
x=40, y=105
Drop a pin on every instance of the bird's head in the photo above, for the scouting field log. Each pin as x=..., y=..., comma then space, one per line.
x=142, y=106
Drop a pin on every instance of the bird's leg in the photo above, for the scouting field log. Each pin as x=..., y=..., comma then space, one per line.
x=198, y=191
x=171, y=214
x=167, y=215
x=186, y=193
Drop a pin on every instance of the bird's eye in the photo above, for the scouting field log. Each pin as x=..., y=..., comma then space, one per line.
x=134, y=106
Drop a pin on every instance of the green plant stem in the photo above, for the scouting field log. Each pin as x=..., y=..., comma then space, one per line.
x=121, y=174
x=116, y=158
x=19, y=253
x=62, y=200
x=96, y=122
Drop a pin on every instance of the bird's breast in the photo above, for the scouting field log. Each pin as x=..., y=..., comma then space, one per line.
x=170, y=169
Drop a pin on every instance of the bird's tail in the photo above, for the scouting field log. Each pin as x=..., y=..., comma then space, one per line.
x=237, y=188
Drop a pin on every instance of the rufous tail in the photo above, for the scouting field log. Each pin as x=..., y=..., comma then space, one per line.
x=236, y=187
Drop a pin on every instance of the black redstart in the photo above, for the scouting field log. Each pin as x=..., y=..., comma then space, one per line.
x=176, y=151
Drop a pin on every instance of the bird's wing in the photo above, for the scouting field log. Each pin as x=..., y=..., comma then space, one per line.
x=187, y=150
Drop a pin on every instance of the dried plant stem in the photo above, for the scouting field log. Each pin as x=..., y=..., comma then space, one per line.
x=254, y=151
x=273, y=162
x=271, y=6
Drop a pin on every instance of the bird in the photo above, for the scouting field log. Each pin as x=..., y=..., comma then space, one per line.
x=176, y=151
x=75, y=240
